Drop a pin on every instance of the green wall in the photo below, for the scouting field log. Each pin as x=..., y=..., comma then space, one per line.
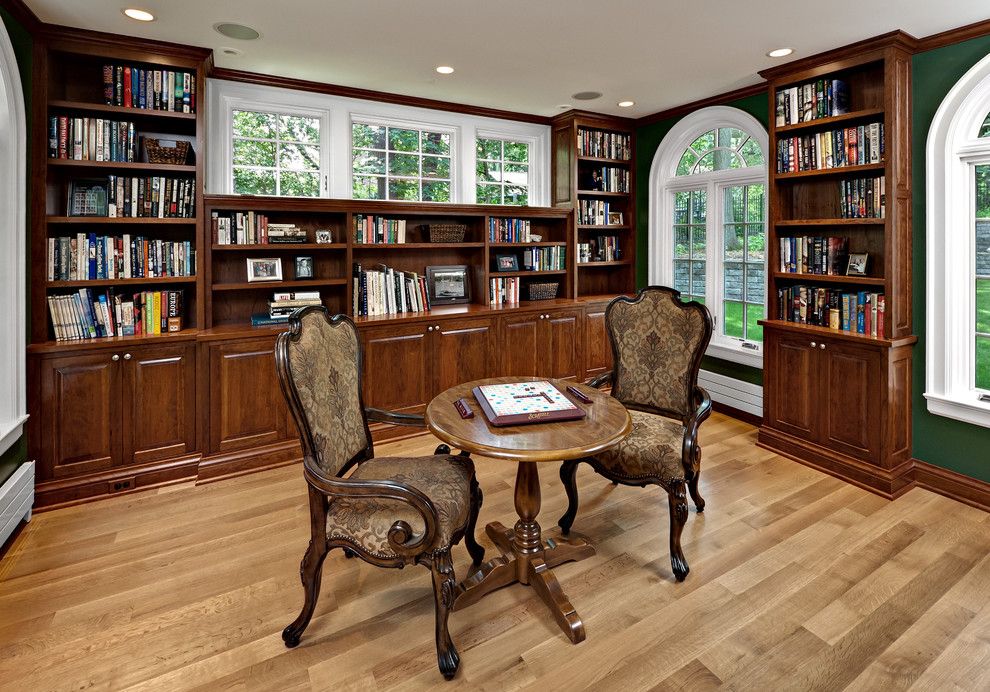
x=21, y=40
x=940, y=441
x=648, y=138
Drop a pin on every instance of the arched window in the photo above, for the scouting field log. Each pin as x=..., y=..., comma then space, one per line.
x=13, y=243
x=708, y=223
x=958, y=248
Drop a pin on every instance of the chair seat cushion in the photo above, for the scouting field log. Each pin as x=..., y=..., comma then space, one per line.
x=443, y=478
x=652, y=449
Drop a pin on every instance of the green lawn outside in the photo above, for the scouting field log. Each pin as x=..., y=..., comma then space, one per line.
x=983, y=325
x=734, y=321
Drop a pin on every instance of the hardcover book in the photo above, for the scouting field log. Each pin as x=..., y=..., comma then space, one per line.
x=520, y=403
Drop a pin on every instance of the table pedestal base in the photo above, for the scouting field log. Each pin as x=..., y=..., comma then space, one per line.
x=526, y=560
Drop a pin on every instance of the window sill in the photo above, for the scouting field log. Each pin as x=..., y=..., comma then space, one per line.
x=973, y=412
x=753, y=359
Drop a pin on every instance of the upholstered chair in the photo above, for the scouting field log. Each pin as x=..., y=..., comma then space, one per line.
x=388, y=511
x=657, y=344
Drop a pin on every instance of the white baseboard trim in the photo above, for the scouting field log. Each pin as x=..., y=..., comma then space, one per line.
x=731, y=392
x=16, y=500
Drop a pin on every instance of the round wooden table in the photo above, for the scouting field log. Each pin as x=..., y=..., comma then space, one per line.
x=525, y=558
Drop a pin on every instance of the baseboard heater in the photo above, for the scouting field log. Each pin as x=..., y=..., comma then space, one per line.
x=16, y=500
x=742, y=396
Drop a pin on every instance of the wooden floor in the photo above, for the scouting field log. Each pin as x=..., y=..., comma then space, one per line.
x=798, y=582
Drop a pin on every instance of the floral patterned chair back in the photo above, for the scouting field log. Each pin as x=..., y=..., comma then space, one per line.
x=658, y=341
x=323, y=365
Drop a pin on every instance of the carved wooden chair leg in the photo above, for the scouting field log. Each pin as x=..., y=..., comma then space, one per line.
x=568, y=473
x=442, y=449
x=474, y=548
x=699, y=501
x=677, y=498
x=444, y=588
x=311, y=575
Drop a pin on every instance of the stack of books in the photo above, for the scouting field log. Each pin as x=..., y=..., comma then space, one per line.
x=283, y=304
x=285, y=233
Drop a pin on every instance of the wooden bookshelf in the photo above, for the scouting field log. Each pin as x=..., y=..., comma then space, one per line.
x=840, y=400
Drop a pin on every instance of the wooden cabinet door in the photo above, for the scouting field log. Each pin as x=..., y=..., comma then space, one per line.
x=791, y=376
x=597, y=348
x=562, y=344
x=397, y=361
x=246, y=405
x=159, y=402
x=851, y=399
x=521, y=343
x=80, y=422
x=463, y=351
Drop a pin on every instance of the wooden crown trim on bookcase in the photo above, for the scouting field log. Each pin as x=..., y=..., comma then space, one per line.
x=860, y=52
x=101, y=43
x=593, y=120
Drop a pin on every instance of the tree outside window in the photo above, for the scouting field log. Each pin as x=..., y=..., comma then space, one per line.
x=276, y=154
x=398, y=163
x=502, y=172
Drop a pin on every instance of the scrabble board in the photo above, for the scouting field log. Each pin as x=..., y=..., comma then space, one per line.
x=519, y=403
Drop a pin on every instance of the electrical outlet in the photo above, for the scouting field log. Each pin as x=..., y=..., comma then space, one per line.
x=121, y=485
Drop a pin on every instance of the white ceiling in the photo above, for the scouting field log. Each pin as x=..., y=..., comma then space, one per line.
x=522, y=55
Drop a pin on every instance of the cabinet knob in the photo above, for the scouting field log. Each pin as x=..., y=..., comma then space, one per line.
x=436, y=327
x=429, y=329
x=813, y=344
x=127, y=356
x=821, y=346
x=115, y=357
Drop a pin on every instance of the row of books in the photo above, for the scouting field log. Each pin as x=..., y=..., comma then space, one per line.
x=156, y=197
x=848, y=146
x=509, y=230
x=609, y=179
x=388, y=291
x=91, y=139
x=83, y=315
x=89, y=256
x=251, y=228
x=544, y=258
x=504, y=291
x=369, y=229
x=604, y=145
x=861, y=312
x=814, y=255
x=822, y=98
x=863, y=198
x=158, y=90
x=593, y=212
x=604, y=248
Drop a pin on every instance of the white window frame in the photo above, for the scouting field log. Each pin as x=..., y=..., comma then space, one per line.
x=223, y=97
x=531, y=141
x=13, y=241
x=953, y=149
x=664, y=182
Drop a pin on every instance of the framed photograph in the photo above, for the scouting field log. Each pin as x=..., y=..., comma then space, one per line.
x=449, y=284
x=857, y=264
x=264, y=269
x=324, y=236
x=615, y=218
x=304, y=267
x=87, y=198
x=506, y=263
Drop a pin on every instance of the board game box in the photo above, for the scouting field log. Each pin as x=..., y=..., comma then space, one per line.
x=518, y=403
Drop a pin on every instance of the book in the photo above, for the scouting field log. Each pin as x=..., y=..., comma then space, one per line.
x=520, y=403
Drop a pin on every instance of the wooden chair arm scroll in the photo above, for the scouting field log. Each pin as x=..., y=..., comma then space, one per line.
x=690, y=449
x=378, y=415
x=601, y=380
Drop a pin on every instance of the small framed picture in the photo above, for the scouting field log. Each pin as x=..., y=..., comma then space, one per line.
x=449, y=284
x=506, y=263
x=304, y=267
x=264, y=269
x=324, y=236
x=857, y=264
x=615, y=218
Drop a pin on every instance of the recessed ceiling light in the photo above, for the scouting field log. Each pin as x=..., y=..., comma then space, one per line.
x=139, y=15
x=625, y=104
x=445, y=69
x=780, y=52
x=238, y=31
x=587, y=95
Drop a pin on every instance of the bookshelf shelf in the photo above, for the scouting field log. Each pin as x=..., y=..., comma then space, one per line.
x=840, y=170
x=358, y=247
x=603, y=227
x=596, y=159
x=545, y=272
x=864, y=114
x=44, y=347
x=830, y=222
x=124, y=113
x=115, y=220
x=277, y=285
x=543, y=243
x=278, y=247
x=830, y=278
x=611, y=263
x=121, y=282
x=122, y=166
x=599, y=193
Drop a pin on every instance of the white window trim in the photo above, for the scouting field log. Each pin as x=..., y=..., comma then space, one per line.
x=664, y=182
x=952, y=149
x=224, y=96
x=13, y=241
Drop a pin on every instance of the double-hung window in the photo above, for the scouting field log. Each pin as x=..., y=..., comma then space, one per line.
x=502, y=171
x=277, y=153
x=708, y=225
x=401, y=163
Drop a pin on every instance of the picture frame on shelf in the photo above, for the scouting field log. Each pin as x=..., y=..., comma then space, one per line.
x=506, y=263
x=858, y=262
x=87, y=198
x=324, y=236
x=304, y=267
x=264, y=269
x=449, y=284
x=615, y=218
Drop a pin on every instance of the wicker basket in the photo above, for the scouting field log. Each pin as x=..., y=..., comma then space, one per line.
x=175, y=155
x=446, y=232
x=543, y=291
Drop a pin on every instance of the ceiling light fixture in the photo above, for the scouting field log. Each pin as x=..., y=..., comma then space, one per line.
x=231, y=51
x=138, y=15
x=626, y=104
x=587, y=95
x=237, y=31
x=565, y=106
x=780, y=52
x=445, y=69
